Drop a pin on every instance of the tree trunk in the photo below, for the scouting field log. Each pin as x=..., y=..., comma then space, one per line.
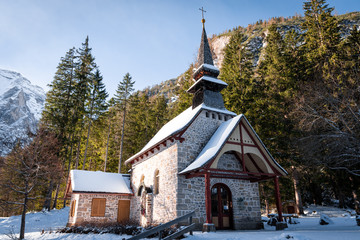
x=47, y=203
x=78, y=152
x=23, y=215
x=356, y=200
x=56, y=195
x=267, y=210
x=87, y=143
x=69, y=167
x=122, y=139
x=107, y=145
x=298, y=201
x=341, y=198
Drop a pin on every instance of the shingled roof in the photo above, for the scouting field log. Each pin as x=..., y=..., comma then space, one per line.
x=204, y=55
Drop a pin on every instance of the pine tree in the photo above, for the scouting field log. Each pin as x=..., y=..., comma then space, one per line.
x=275, y=72
x=159, y=114
x=321, y=38
x=58, y=113
x=95, y=104
x=237, y=72
x=84, y=73
x=184, y=98
x=123, y=92
x=110, y=116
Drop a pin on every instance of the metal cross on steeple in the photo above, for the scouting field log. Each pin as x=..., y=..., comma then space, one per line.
x=202, y=13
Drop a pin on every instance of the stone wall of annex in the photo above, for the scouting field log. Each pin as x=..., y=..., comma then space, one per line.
x=82, y=214
x=161, y=207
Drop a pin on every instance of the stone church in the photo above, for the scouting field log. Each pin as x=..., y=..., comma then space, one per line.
x=207, y=159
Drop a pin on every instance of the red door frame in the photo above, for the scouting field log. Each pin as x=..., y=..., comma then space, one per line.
x=219, y=206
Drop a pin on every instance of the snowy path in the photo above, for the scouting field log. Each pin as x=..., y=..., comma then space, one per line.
x=344, y=228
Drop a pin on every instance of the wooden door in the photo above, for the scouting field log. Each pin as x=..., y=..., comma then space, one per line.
x=221, y=206
x=123, y=210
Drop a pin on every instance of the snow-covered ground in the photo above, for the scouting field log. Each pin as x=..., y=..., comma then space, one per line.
x=344, y=227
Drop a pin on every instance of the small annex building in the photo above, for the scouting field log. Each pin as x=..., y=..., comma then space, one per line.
x=207, y=159
x=98, y=197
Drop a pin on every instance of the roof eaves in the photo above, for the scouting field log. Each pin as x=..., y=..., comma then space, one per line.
x=164, y=139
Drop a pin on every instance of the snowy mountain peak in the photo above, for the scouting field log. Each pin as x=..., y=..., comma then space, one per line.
x=21, y=104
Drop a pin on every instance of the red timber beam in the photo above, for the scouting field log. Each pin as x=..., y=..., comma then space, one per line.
x=278, y=198
x=208, y=198
x=264, y=156
x=242, y=148
x=218, y=173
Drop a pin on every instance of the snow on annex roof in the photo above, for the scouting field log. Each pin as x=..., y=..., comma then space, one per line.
x=176, y=125
x=105, y=182
x=217, y=141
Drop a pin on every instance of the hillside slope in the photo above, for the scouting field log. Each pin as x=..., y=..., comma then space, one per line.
x=255, y=34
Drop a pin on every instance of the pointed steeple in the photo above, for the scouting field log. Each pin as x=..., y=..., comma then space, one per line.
x=207, y=87
x=204, y=55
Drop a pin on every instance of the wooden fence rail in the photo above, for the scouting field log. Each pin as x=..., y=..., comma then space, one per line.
x=160, y=228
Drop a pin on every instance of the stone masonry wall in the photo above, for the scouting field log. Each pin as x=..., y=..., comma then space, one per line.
x=82, y=214
x=162, y=206
x=228, y=161
x=191, y=192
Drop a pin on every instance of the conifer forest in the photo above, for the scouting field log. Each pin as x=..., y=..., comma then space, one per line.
x=301, y=95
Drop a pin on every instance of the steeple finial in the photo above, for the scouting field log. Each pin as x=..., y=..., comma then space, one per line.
x=202, y=13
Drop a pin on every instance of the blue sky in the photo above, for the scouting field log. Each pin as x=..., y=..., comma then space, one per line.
x=152, y=40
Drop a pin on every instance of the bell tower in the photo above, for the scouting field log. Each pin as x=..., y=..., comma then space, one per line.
x=207, y=87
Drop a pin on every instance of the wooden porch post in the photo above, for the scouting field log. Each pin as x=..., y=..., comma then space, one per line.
x=278, y=198
x=208, y=225
x=208, y=198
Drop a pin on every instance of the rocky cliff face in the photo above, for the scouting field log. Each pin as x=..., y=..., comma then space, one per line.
x=21, y=104
x=255, y=42
x=257, y=34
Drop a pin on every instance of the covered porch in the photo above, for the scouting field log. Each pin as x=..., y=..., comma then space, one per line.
x=234, y=152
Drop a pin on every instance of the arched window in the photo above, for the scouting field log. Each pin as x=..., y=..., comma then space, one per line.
x=72, y=208
x=142, y=179
x=141, y=185
x=156, y=181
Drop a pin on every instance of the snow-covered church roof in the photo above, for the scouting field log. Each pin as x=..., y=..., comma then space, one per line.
x=101, y=182
x=217, y=141
x=176, y=125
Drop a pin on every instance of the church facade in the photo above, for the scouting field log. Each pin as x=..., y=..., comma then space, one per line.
x=207, y=159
